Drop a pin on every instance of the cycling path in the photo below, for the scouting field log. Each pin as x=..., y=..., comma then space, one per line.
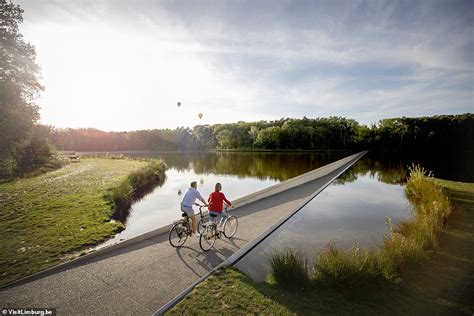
x=141, y=277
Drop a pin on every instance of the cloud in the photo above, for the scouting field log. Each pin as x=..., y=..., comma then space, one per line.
x=250, y=60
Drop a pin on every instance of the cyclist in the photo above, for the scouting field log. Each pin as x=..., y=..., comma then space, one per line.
x=187, y=204
x=216, y=200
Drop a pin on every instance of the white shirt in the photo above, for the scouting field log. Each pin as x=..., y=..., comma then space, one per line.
x=190, y=197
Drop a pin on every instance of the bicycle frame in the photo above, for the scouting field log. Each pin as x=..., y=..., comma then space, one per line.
x=223, y=219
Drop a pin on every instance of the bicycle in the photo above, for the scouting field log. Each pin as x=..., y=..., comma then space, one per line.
x=211, y=231
x=182, y=229
x=203, y=219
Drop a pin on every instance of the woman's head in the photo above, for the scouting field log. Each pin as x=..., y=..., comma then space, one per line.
x=217, y=187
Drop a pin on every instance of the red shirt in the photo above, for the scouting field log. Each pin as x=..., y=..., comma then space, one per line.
x=216, y=200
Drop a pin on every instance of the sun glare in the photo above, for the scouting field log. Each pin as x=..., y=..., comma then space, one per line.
x=113, y=80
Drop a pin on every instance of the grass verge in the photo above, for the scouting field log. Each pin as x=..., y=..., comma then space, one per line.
x=45, y=217
x=228, y=291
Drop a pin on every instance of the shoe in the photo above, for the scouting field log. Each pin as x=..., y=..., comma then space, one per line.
x=197, y=234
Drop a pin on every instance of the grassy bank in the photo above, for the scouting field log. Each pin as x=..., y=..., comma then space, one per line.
x=441, y=283
x=412, y=241
x=134, y=186
x=46, y=217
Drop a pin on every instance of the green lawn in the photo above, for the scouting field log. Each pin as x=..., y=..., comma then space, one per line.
x=444, y=284
x=46, y=217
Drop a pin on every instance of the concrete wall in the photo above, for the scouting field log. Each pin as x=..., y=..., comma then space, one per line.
x=294, y=182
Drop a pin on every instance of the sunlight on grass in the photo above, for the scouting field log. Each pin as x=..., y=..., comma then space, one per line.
x=46, y=217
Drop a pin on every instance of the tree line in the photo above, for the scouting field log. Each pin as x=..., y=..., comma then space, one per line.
x=442, y=132
x=90, y=139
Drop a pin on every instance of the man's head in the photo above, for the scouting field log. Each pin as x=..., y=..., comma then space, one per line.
x=194, y=184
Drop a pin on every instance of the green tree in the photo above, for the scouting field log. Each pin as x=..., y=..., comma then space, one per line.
x=224, y=139
x=253, y=132
x=19, y=87
x=269, y=138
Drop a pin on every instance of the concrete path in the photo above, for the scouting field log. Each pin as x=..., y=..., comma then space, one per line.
x=141, y=277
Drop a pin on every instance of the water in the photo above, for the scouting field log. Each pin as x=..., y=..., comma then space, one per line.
x=239, y=173
x=352, y=210
x=242, y=173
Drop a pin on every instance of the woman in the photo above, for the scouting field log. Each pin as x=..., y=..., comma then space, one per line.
x=216, y=200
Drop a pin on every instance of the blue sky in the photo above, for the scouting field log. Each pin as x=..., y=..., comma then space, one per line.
x=122, y=65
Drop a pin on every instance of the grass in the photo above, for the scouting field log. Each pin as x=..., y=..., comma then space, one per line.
x=290, y=271
x=228, y=292
x=411, y=242
x=348, y=270
x=412, y=273
x=134, y=186
x=44, y=218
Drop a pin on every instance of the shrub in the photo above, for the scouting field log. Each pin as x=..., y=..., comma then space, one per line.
x=290, y=271
x=8, y=167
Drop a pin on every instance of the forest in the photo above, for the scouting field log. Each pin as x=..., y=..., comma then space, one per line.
x=442, y=132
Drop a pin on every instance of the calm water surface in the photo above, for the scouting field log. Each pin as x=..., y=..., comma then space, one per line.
x=351, y=210
x=239, y=173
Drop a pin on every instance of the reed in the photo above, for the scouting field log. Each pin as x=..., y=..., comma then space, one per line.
x=409, y=242
x=290, y=270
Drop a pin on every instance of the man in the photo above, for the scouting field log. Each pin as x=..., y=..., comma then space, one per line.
x=187, y=204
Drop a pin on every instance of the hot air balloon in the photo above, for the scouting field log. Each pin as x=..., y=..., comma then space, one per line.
x=179, y=104
x=200, y=115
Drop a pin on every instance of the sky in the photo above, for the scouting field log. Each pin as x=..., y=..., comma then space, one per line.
x=124, y=65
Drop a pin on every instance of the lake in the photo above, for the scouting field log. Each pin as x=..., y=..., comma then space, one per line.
x=352, y=210
x=239, y=173
x=242, y=173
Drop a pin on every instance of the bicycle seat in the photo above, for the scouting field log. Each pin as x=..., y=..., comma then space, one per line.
x=184, y=214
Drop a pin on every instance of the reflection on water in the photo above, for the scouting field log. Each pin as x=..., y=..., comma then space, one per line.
x=276, y=166
x=239, y=173
x=242, y=173
x=351, y=210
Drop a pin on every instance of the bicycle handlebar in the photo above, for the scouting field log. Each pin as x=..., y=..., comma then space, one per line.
x=228, y=207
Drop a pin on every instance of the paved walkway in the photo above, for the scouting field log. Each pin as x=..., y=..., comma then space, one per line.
x=140, y=278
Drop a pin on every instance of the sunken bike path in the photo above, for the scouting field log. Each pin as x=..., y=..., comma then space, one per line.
x=142, y=277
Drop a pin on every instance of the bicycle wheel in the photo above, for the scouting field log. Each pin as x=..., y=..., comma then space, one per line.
x=208, y=237
x=178, y=234
x=230, y=226
x=201, y=224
